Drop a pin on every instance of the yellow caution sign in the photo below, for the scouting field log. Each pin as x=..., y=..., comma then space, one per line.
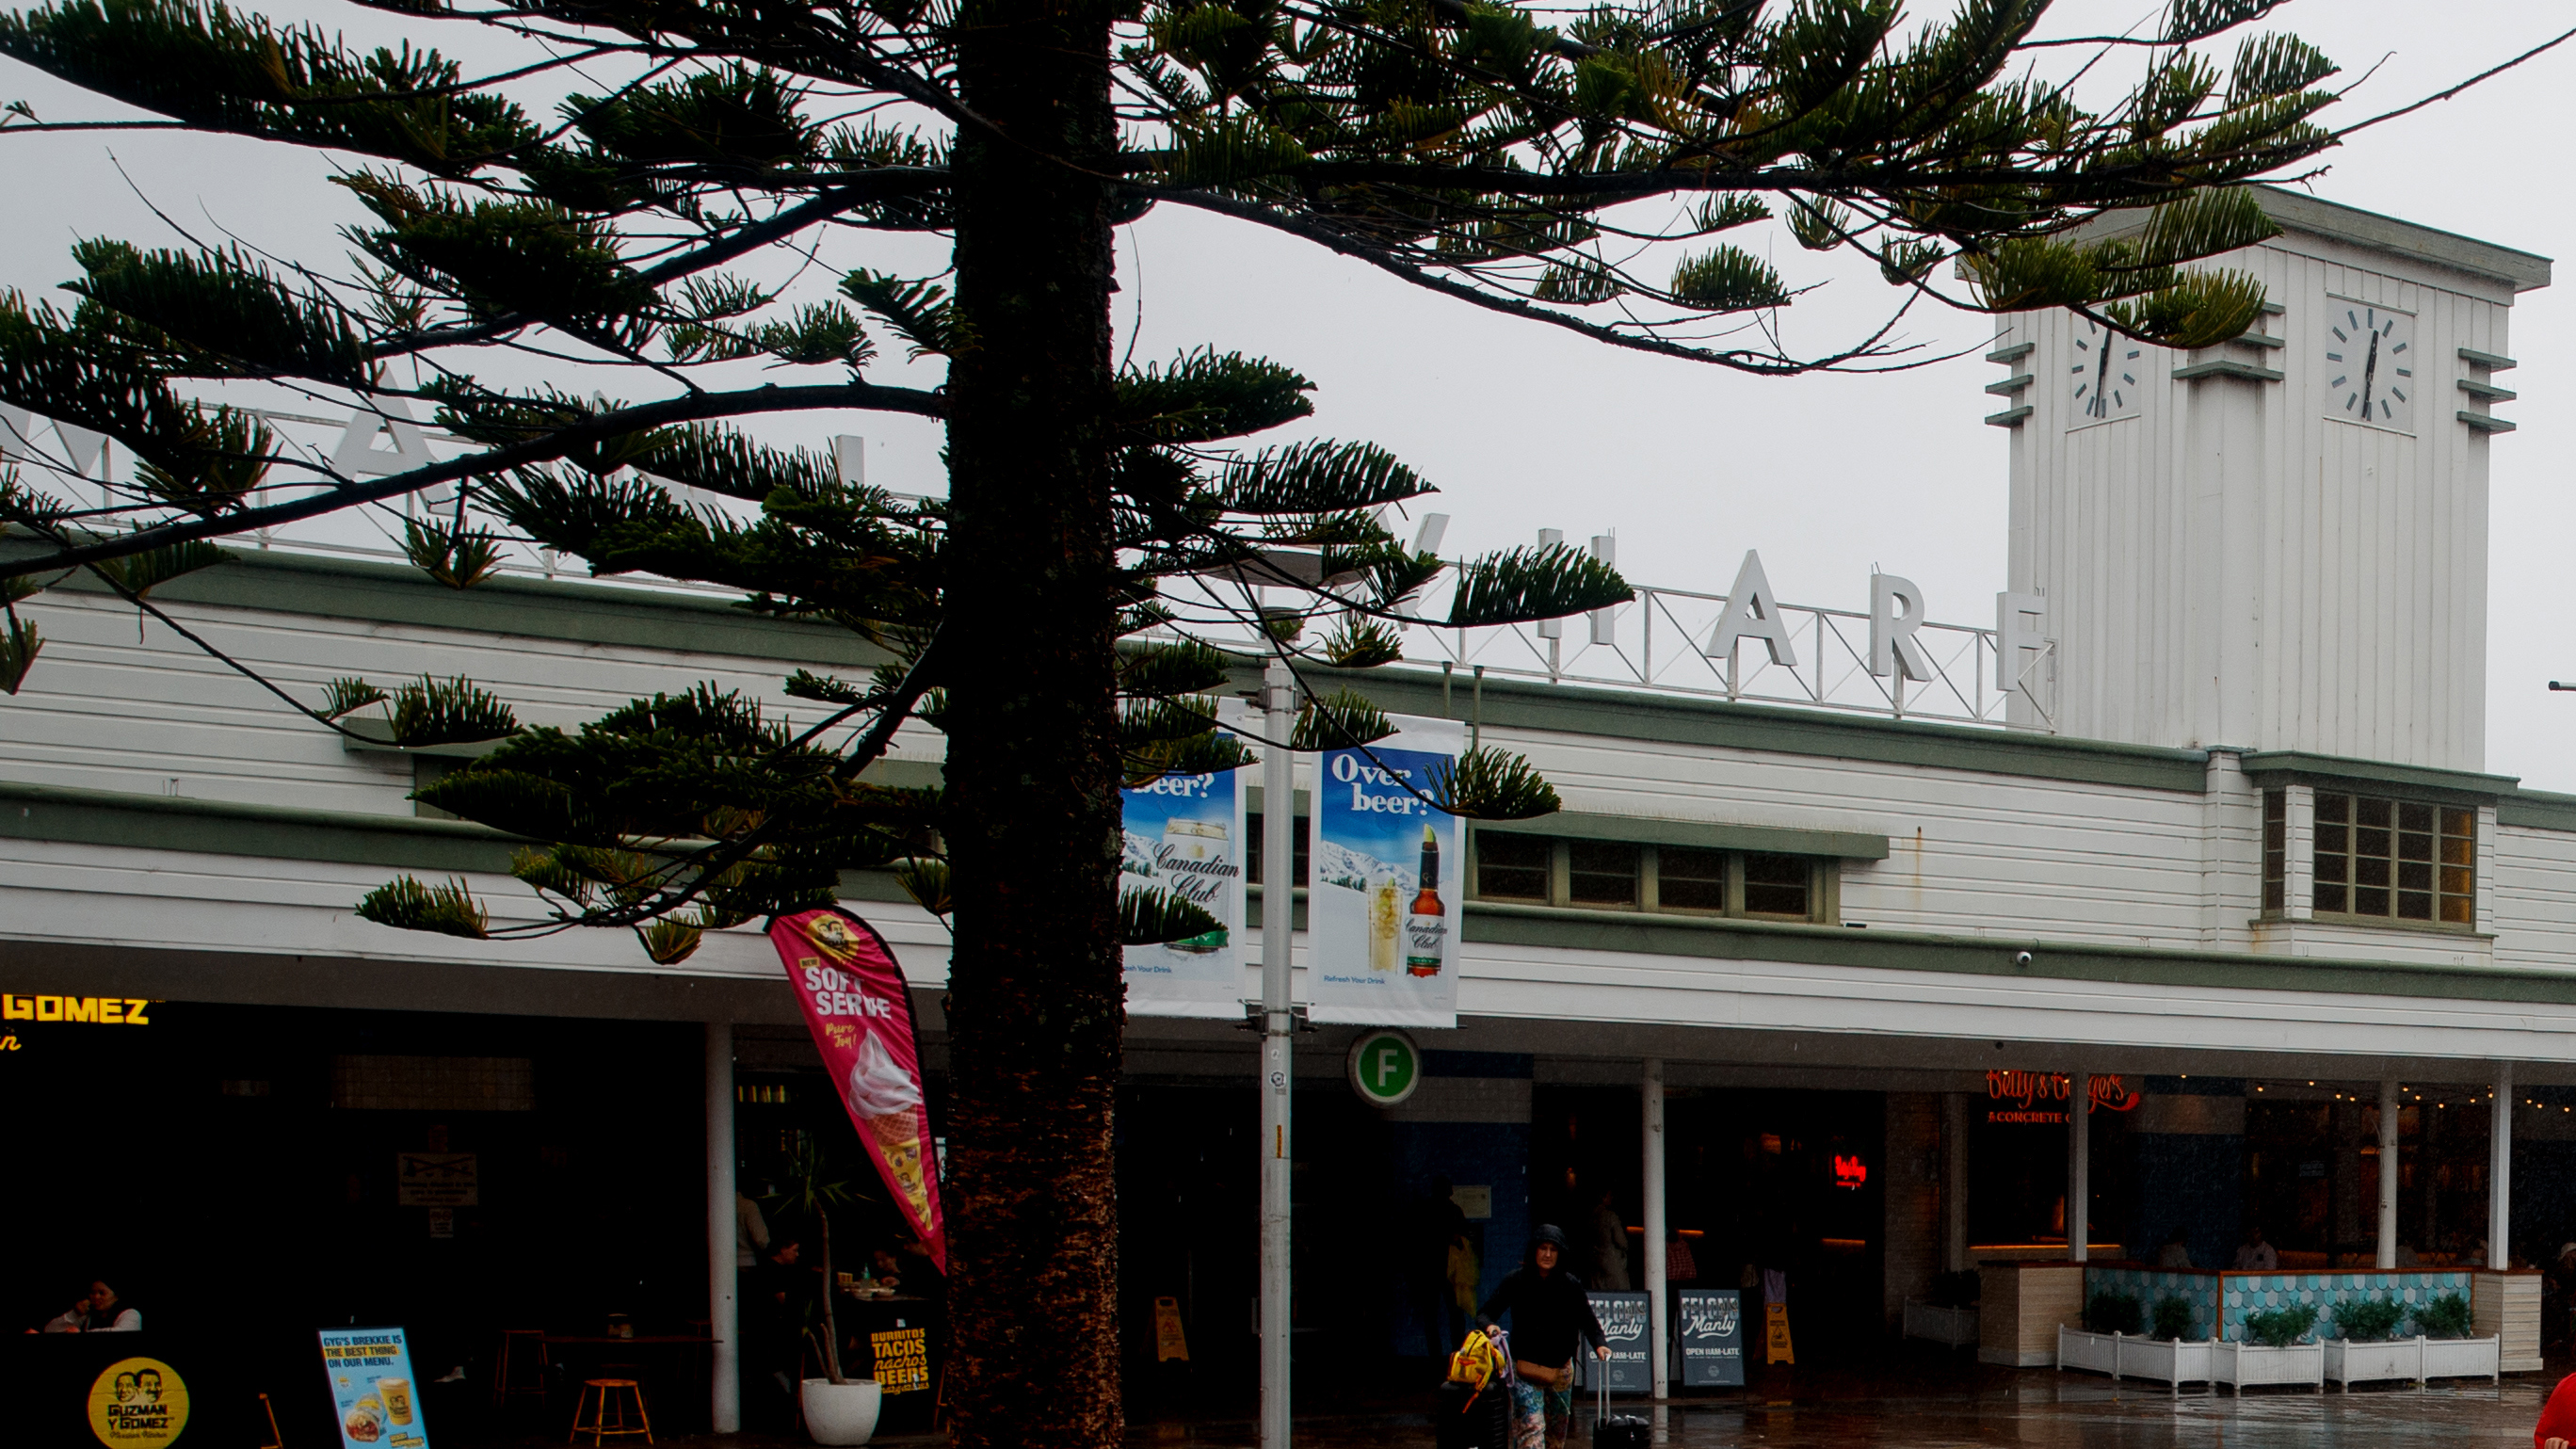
x=1775, y=1326
x=1169, y=1342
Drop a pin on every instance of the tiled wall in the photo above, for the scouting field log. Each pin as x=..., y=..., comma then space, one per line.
x=2219, y=1304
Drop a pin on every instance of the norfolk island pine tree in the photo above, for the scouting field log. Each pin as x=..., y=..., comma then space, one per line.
x=1581, y=174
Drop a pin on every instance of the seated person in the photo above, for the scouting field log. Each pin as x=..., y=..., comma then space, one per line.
x=100, y=1312
x=2176, y=1253
x=2256, y=1255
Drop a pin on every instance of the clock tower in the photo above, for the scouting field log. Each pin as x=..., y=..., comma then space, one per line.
x=2279, y=543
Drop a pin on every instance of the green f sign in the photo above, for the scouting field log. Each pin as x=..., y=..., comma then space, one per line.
x=1385, y=1067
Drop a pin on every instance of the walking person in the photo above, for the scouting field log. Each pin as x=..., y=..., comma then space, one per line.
x=1551, y=1315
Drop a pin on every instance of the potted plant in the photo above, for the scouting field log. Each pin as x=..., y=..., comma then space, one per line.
x=2273, y=1352
x=2113, y=1345
x=2449, y=1352
x=839, y=1410
x=2365, y=1347
x=1948, y=1314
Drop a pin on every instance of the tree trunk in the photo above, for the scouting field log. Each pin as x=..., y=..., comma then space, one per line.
x=1032, y=815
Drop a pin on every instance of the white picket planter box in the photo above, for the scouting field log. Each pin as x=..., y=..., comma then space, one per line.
x=1951, y=1327
x=2414, y=1358
x=2464, y=1358
x=2240, y=1365
x=2125, y=1356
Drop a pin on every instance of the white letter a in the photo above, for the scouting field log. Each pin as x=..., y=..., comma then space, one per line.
x=1751, y=614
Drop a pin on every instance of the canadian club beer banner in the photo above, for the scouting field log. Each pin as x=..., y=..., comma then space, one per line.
x=1382, y=908
x=857, y=1007
x=1185, y=836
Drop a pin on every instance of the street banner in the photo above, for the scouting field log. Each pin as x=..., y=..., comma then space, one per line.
x=1709, y=1330
x=1385, y=878
x=860, y=1013
x=1631, y=1367
x=1185, y=836
x=372, y=1390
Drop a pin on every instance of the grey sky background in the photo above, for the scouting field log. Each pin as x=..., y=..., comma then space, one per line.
x=1525, y=427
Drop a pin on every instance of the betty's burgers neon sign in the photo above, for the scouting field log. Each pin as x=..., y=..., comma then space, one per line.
x=2020, y=1097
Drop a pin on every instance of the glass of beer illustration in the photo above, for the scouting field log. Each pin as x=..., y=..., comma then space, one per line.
x=397, y=1396
x=1382, y=919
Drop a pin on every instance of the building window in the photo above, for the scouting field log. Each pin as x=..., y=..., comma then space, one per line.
x=1619, y=876
x=1602, y=873
x=2276, y=850
x=2396, y=859
x=1254, y=839
x=1513, y=867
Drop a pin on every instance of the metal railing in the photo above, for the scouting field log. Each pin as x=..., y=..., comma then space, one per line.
x=1655, y=643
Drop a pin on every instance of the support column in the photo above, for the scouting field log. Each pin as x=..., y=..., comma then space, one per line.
x=1656, y=1337
x=2388, y=1174
x=2500, y=1170
x=1954, y=1183
x=2079, y=1166
x=724, y=1315
x=1278, y=1028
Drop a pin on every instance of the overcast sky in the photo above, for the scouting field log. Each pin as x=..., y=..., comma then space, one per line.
x=1524, y=427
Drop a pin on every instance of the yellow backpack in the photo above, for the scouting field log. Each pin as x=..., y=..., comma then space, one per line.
x=1478, y=1361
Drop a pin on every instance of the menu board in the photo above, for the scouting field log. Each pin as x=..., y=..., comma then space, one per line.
x=1708, y=1329
x=372, y=1389
x=1631, y=1369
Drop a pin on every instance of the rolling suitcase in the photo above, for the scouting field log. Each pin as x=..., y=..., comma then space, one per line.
x=1469, y=1416
x=1615, y=1431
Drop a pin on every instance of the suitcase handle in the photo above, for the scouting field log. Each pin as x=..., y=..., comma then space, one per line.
x=1600, y=1371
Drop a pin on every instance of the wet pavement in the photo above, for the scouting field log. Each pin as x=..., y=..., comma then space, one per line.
x=2034, y=1407
x=1915, y=1404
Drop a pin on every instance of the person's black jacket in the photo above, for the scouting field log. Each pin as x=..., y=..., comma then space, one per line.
x=1550, y=1313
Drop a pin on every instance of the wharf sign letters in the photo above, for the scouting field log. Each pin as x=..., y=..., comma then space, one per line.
x=2023, y=1097
x=1896, y=613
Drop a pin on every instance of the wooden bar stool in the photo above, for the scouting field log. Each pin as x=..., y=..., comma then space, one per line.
x=605, y=1401
x=532, y=1382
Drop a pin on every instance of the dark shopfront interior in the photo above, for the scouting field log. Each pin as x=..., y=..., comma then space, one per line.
x=232, y=1172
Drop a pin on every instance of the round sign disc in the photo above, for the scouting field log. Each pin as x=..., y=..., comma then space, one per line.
x=1385, y=1067
x=138, y=1403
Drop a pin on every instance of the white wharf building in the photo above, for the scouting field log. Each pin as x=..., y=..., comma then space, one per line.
x=2238, y=849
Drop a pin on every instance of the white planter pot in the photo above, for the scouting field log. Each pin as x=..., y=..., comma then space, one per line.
x=1952, y=1327
x=2350, y=1363
x=2414, y=1358
x=2123, y=1356
x=2463, y=1358
x=841, y=1413
x=2242, y=1364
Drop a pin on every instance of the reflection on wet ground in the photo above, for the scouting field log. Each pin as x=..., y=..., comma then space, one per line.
x=1982, y=1407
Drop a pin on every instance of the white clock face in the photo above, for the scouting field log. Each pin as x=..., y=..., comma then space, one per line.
x=2103, y=380
x=2370, y=365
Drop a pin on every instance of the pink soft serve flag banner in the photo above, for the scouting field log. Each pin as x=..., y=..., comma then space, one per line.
x=860, y=1013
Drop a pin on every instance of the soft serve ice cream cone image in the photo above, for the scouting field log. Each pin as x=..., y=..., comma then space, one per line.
x=885, y=1096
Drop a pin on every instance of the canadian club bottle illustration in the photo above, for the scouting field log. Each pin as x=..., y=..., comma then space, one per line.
x=1427, y=924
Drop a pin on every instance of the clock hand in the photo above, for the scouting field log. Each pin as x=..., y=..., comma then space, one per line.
x=2369, y=370
x=2101, y=377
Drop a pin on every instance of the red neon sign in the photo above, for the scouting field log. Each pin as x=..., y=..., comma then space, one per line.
x=1849, y=1171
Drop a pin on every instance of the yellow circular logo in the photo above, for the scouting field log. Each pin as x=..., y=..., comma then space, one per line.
x=138, y=1403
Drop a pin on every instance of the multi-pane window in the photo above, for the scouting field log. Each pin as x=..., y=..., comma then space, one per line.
x=2397, y=859
x=1616, y=875
x=1513, y=867
x=2276, y=850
